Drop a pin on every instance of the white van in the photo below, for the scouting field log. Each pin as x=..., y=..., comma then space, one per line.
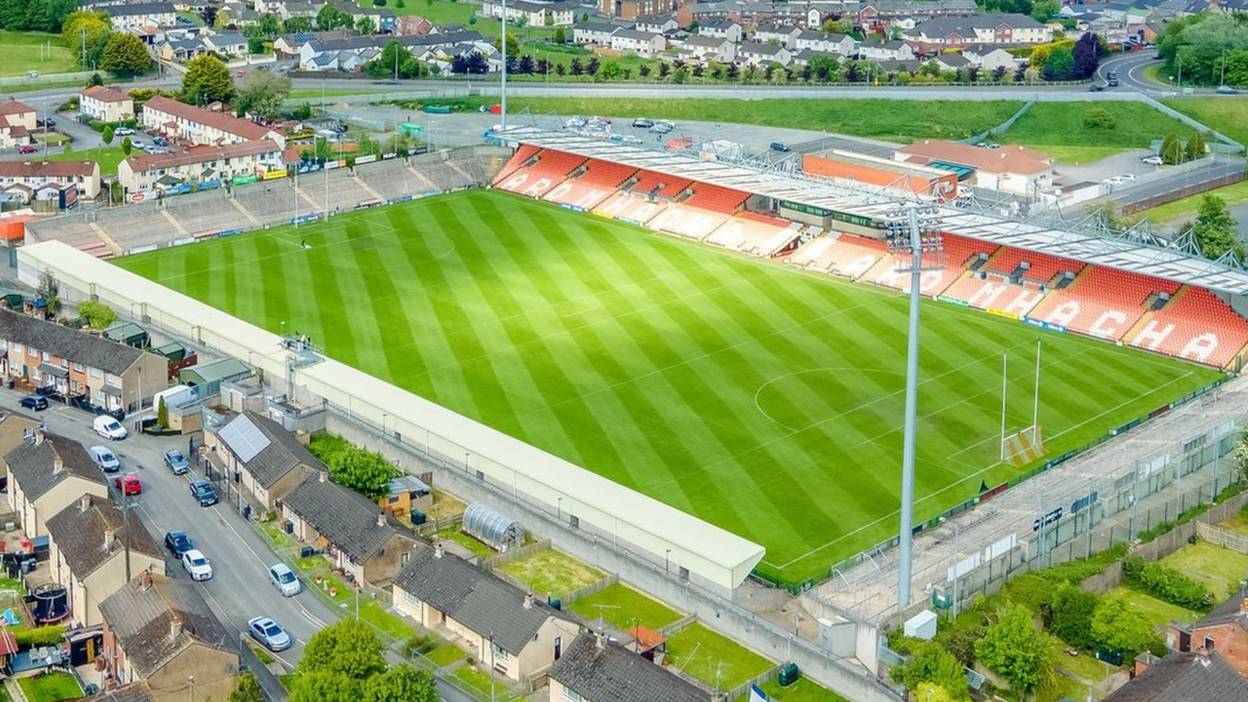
x=108, y=427
x=105, y=459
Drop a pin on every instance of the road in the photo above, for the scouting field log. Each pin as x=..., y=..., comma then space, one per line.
x=1214, y=168
x=239, y=588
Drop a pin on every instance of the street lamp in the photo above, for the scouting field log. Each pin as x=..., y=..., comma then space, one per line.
x=910, y=233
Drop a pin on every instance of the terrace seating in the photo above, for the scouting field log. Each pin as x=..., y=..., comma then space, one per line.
x=518, y=159
x=202, y=212
x=551, y=168
x=853, y=256
x=1102, y=302
x=690, y=222
x=716, y=199
x=958, y=252
x=1195, y=325
x=1043, y=267
x=995, y=294
x=755, y=233
x=74, y=231
x=630, y=207
x=659, y=185
x=596, y=184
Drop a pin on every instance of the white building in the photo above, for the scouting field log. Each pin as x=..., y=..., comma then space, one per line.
x=641, y=43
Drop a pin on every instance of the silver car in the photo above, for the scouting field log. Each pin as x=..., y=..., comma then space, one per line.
x=285, y=580
x=105, y=459
x=269, y=633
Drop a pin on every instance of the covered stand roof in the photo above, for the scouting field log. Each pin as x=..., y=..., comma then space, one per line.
x=1124, y=253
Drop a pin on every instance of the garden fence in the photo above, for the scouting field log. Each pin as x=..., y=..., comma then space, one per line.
x=1221, y=537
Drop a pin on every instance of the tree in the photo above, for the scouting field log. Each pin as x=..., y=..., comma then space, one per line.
x=107, y=135
x=399, y=4
x=1116, y=626
x=365, y=25
x=330, y=18
x=126, y=146
x=366, y=472
x=270, y=25
x=1014, y=648
x=576, y=68
x=561, y=36
x=247, y=689
x=295, y=25
x=932, y=664
x=125, y=54
x=1071, y=616
x=1060, y=65
x=207, y=79
x=592, y=66
x=1195, y=147
x=162, y=414
x=1087, y=54
x=402, y=683
x=1171, y=149
x=86, y=34
x=97, y=315
x=348, y=648
x=927, y=692
x=50, y=291
x=208, y=13
x=262, y=93
x=1216, y=231
x=326, y=686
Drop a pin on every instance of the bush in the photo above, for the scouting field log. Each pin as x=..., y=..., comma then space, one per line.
x=42, y=636
x=929, y=663
x=1099, y=118
x=1167, y=584
x=1071, y=616
x=419, y=645
x=1119, y=628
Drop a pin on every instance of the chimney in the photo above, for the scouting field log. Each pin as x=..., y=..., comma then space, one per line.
x=84, y=502
x=145, y=580
x=528, y=600
x=39, y=436
x=324, y=476
x=175, y=627
x=381, y=519
x=57, y=464
x=437, y=550
x=600, y=640
x=110, y=538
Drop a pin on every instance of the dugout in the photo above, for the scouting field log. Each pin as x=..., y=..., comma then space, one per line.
x=493, y=528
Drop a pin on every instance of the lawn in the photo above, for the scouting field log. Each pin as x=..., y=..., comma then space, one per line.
x=371, y=610
x=1157, y=612
x=1234, y=194
x=1221, y=569
x=766, y=401
x=1226, y=115
x=623, y=607
x=551, y=573
x=22, y=52
x=476, y=547
x=714, y=659
x=1058, y=128
x=276, y=537
x=897, y=120
x=107, y=156
x=483, y=683
x=446, y=654
x=1237, y=523
x=51, y=687
x=804, y=690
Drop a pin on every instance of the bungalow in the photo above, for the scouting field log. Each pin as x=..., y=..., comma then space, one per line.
x=593, y=670
x=499, y=624
x=227, y=43
x=721, y=29
x=88, y=544
x=708, y=48
x=182, y=50
x=950, y=62
x=641, y=43
x=826, y=42
x=106, y=104
x=356, y=534
x=753, y=53
x=989, y=59
x=266, y=460
x=593, y=33
x=161, y=630
x=133, y=17
x=48, y=473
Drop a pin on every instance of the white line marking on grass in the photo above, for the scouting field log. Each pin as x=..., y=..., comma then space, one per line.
x=826, y=369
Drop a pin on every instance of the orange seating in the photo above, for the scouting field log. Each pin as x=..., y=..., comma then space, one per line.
x=593, y=186
x=852, y=256
x=996, y=294
x=755, y=233
x=1102, y=302
x=522, y=154
x=535, y=180
x=630, y=207
x=958, y=252
x=668, y=186
x=716, y=199
x=689, y=222
x=1043, y=266
x=1195, y=325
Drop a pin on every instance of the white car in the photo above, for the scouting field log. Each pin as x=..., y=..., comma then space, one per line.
x=123, y=131
x=109, y=428
x=1127, y=177
x=197, y=565
x=285, y=580
x=105, y=459
x=1152, y=161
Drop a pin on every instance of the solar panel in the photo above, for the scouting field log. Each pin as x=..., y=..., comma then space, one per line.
x=244, y=438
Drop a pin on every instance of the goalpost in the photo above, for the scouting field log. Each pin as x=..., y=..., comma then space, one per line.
x=1027, y=444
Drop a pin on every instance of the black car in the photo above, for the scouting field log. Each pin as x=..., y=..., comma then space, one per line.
x=204, y=492
x=34, y=402
x=178, y=543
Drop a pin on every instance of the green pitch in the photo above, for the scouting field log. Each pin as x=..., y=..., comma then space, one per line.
x=761, y=399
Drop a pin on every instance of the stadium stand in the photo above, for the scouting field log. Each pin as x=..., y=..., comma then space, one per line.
x=136, y=227
x=631, y=207
x=754, y=233
x=716, y=199
x=74, y=230
x=1102, y=302
x=550, y=169
x=1039, y=269
x=994, y=293
x=206, y=212
x=690, y=222
x=585, y=191
x=851, y=256
x=518, y=159
x=659, y=185
x=1195, y=325
x=947, y=267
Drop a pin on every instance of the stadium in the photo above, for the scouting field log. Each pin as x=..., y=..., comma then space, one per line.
x=727, y=342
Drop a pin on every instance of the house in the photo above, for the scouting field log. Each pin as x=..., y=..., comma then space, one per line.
x=14, y=429
x=133, y=17
x=593, y=670
x=84, y=175
x=879, y=50
x=196, y=125
x=878, y=14
x=18, y=121
x=288, y=45
x=1224, y=630
x=749, y=52
x=380, y=17
x=1011, y=168
x=106, y=104
x=950, y=62
x=226, y=43
x=500, y=625
x=412, y=26
x=111, y=375
x=356, y=534
x=706, y=48
x=87, y=553
x=182, y=50
x=656, y=24
x=783, y=34
x=160, y=630
x=826, y=42
x=134, y=692
x=747, y=14
x=632, y=9
x=48, y=473
x=941, y=33
x=721, y=29
x=1181, y=676
x=206, y=165
x=593, y=33
x=533, y=14
x=266, y=460
x=641, y=43
x=989, y=59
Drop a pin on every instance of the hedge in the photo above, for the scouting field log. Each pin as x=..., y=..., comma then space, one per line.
x=1167, y=584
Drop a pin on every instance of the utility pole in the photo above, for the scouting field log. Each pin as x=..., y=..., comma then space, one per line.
x=503, y=87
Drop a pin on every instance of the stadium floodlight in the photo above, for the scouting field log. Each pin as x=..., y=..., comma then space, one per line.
x=911, y=232
x=502, y=103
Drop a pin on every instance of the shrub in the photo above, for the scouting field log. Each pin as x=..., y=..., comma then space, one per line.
x=42, y=636
x=929, y=663
x=1099, y=118
x=1120, y=628
x=419, y=645
x=1167, y=584
x=1071, y=616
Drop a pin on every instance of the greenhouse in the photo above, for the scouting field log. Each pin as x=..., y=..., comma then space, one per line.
x=498, y=531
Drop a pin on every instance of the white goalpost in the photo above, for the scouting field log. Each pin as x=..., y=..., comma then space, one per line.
x=1027, y=444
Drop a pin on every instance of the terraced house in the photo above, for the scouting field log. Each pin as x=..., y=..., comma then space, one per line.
x=196, y=125
x=48, y=473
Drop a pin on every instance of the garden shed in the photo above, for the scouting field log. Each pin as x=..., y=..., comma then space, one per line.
x=492, y=528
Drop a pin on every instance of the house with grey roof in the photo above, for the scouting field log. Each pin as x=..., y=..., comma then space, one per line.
x=879, y=50
x=87, y=544
x=1182, y=676
x=226, y=43
x=500, y=625
x=593, y=33
x=941, y=33
x=826, y=42
x=161, y=630
x=593, y=670
x=355, y=534
x=754, y=53
x=265, y=460
x=721, y=29
x=632, y=41
x=708, y=48
x=47, y=473
x=111, y=375
x=134, y=692
x=783, y=34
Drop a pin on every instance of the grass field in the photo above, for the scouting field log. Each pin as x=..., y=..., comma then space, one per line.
x=1226, y=115
x=551, y=573
x=1058, y=128
x=712, y=658
x=1158, y=613
x=52, y=687
x=801, y=691
x=766, y=401
x=20, y=53
x=108, y=157
x=1185, y=209
x=1221, y=569
x=623, y=607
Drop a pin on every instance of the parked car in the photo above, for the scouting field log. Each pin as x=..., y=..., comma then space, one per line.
x=123, y=131
x=177, y=462
x=178, y=543
x=1096, y=87
x=160, y=141
x=27, y=149
x=204, y=493
x=269, y=633
x=50, y=121
x=1153, y=161
x=1226, y=90
x=285, y=580
x=197, y=565
x=662, y=127
x=108, y=427
x=129, y=484
x=34, y=402
x=643, y=123
x=105, y=459
x=780, y=146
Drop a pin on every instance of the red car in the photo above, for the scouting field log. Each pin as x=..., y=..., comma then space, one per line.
x=27, y=149
x=128, y=484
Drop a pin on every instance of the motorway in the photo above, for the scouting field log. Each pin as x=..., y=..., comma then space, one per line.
x=239, y=588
